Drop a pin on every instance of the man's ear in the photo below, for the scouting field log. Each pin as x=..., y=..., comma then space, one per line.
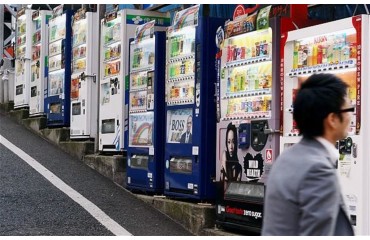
x=331, y=121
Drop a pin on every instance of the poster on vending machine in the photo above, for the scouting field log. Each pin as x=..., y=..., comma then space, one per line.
x=56, y=83
x=141, y=129
x=105, y=93
x=180, y=124
x=75, y=88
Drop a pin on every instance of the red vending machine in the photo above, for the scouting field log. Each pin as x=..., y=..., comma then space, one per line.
x=341, y=48
x=248, y=109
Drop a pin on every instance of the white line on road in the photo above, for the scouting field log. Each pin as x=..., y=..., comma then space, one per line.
x=90, y=207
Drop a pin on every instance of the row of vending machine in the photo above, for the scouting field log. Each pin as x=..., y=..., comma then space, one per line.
x=202, y=106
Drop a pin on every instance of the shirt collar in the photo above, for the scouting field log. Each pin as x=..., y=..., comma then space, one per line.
x=333, y=152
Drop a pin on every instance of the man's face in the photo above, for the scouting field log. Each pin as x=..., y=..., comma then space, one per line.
x=188, y=124
x=343, y=127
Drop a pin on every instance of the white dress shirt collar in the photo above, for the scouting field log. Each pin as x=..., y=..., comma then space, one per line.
x=332, y=150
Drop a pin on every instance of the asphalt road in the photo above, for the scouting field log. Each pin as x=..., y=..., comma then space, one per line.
x=30, y=205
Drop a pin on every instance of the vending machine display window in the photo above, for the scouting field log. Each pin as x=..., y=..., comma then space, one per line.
x=181, y=165
x=108, y=126
x=250, y=192
x=335, y=53
x=139, y=162
x=55, y=108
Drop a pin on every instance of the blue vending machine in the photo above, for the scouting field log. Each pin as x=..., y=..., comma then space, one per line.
x=190, y=106
x=146, y=110
x=57, y=99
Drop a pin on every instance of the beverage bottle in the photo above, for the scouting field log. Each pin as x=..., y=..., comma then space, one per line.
x=336, y=51
x=314, y=54
x=248, y=50
x=300, y=56
x=257, y=45
x=242, y=81
x=262, y=50
x=253, y=51
x=294, y=94
x=353, y=50
x=344, y=52
x=232, y=83
x=228, y=53
x=235, y=52
x=324, y=55
x=242, y=55
x=304, y=55
x=309, y=55
x=351, y=42
x=266, y=47
x=177, y=46
x=228, y=86
x=231, y=54
x=182, y=68
x=171, y=71
x=237, y=82
x=329, y=52
x=181, y=45
x=173, y=47
x=193, y=46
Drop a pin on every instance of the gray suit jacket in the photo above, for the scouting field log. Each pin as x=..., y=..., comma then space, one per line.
x=303, y=196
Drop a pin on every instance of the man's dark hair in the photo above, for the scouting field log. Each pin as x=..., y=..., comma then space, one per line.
x=318, y=96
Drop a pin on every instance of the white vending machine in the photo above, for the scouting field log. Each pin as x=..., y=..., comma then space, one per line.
x=342, y=48
x=116, y=29
x=40, y=41
x=7, y=79
x=23, y=58
x=84, y=90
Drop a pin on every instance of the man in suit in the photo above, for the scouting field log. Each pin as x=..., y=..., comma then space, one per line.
x=186, y=137
x=303, y=196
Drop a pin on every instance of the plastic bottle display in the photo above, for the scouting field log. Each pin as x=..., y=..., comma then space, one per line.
x=248, y=84
x=181, y=68
x=331, y=49
x=248, y=46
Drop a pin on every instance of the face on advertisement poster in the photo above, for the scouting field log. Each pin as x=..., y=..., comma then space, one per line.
x=186, y=136
x=179, y=127
x=230, y=168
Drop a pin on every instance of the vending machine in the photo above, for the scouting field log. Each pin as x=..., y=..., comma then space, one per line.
x=7, y=76
x=341, y=48
x=23, y=48
x=117, y=28
x=38, y=83
x=85, y=66
x=57, y=101
x=248, y=113
x=190, y=106
x=146, y=109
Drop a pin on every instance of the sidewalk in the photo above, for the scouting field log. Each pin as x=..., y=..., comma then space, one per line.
x=199, y=219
